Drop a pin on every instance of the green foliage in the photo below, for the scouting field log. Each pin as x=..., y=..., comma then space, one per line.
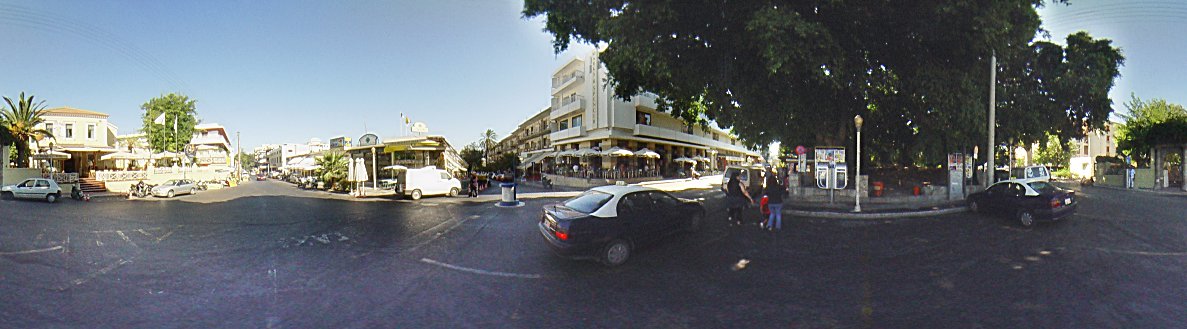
x=334, y=168
x=20, y=120
x=1150, y=123
x=473, y=156
x=488, y=142
x=246, y=161
x=1055, y=153
x=797, y=72
x=180, y=119
x=505, y=161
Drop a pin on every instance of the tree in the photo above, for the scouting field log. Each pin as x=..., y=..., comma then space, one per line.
x=1150, y=123
x=473, y=157
x=798, y=71
x=333, y=169
x=178, y=123
x=246, y=161
x=1055, y=152
x=20, y=119
x=488, y=142
x=505, y=161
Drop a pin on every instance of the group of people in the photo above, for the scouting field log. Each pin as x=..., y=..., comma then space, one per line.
x=738, y=198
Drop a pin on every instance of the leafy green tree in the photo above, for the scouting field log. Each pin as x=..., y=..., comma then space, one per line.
x=246, y=161
x=798, y=71
x=505, y=161
x=1148, y=124
x=179, y=121
x=20, y=120
x=1055, y=152
x=333, y=169
x=473, y=155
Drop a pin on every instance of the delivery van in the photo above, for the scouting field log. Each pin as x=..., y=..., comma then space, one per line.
x=416, y=183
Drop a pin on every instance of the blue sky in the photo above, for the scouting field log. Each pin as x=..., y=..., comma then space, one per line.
x=287, y=71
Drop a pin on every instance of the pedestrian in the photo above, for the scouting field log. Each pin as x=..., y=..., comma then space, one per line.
x=736, y=198
x=473, y=186
x=774, y=192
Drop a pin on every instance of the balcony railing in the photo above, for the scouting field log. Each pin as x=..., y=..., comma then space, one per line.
x=567, y=80
x=570, y=105
x=567, y=133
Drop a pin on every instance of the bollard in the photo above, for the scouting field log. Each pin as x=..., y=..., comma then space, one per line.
x=508, y=195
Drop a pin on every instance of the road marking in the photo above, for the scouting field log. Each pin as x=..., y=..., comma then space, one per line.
x=26, y=252
x=164, y=236
x=125, y=237
x=1142, y=253
x=482, y=272
x=92, y=276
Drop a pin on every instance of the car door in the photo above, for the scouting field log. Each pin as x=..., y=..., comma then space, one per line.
x=1014, y=198
x=638, y=216
x=41, y=189
x=443, y=182
x=668, y=214
x=23, y=189
x=995, y=197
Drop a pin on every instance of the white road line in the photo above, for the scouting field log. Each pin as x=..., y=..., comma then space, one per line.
x=26, y=252
x=1142, y=253
x=483, y=272
x=121, y=233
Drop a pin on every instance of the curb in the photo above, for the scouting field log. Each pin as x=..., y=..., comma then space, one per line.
x=876, y=215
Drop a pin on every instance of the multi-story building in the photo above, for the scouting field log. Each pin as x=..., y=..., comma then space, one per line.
x=529, y=138
x=585, y=114
x=83, y=136
x=212, y=146
x=276, y=156
x=1085, y=150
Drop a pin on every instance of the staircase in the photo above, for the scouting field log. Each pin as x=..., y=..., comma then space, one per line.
x=90, y=185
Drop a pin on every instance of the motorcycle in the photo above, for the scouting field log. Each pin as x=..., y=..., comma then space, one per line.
x=201, y=185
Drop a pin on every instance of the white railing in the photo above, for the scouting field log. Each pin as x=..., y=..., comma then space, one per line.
x=120, y=176
x=68, y=177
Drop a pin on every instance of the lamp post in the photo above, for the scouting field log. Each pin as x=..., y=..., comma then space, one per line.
x=857, y=179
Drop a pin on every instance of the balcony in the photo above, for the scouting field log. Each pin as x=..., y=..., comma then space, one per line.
x=645, y=100
x=570, y=79
x=664, y=133
x=568, y=105
x=567, y=133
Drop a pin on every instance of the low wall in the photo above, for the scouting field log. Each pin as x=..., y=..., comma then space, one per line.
x=13, y=176
x=158, y=178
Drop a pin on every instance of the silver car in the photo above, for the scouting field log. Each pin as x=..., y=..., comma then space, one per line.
x=33, y=188
x=175, y=187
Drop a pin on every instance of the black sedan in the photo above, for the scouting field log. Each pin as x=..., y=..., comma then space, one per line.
x=1026, y=201
x=606, y=223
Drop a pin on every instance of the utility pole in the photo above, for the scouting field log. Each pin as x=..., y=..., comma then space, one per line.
x=989, y=168
x=238, y=155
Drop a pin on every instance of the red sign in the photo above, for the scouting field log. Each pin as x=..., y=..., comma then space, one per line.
x=800, y=150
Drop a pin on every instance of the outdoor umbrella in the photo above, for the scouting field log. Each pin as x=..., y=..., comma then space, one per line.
x=51, y=155
x=683, y=159
x=618, y=152
x=645, y=153
x=585, y=152
x=394, y=167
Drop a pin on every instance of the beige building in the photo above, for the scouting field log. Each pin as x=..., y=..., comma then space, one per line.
x=1096, y=143
x=585, y=115
x=82, y=137
x=529, y=138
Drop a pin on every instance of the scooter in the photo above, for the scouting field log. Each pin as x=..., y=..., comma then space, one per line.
x=546, y=182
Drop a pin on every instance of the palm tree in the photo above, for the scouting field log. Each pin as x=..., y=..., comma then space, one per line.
x=21, y=120
x=489, y=140
x=333, y=168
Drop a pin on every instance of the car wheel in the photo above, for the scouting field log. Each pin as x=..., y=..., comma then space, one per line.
x=51, y=198
x=170, y=194
x=453, y=192
x=7, y=196
x=416, y=195
x=974, y=207
x=1026, y=218
x=695, y=222
x=616, y=253
x=192, y=191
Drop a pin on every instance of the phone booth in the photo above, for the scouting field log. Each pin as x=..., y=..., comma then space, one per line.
x=822, y=175
x=842, y=178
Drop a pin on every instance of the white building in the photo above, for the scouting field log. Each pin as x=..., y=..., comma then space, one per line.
x=1085, y=150
x=276, y=156
x=212, y=146
x=585, y=114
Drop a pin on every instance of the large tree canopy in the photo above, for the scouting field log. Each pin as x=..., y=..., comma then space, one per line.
x=798, y=71
x=1150, y=123
x=178, y=123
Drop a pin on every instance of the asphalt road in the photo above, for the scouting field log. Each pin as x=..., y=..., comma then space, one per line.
x=268, y=255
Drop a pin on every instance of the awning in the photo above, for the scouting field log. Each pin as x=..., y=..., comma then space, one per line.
x=87, y=149
x=51, y=155
x=121, y=155
x=533, y=160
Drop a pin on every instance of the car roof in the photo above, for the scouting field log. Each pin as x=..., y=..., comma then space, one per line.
x=619, y=190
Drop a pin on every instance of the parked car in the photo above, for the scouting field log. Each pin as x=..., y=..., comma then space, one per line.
x=1026, y=201
x=1031, y=173
x=745, y=174
x=416, y=183
x=174, y=187
x=33, y=188
x=607, y=223
x=261, y=177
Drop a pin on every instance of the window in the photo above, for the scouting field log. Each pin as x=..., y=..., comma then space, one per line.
x=588, y=202
x=69, y=130
x=577, y=121
x=564, y=125
x=49, y=127
x=1085, y=150
x=642, y=118
x=445, y=176
x=90, y=131
x=714, y=136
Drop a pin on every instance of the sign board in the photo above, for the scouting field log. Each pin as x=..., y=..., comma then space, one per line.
x=801, y=150
x=339, y=142
x=826, y=154
x=956, y=169
x=368, y=139
x=419, y=127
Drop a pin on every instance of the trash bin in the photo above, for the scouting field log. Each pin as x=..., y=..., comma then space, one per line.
x=878, y=186
x=508, y=195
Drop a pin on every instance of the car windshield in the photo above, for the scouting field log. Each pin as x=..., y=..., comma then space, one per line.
x=170, y=182
x=1043, y=187
x=588, y=202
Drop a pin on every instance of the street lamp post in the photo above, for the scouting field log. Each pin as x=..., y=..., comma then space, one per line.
x=857, y=121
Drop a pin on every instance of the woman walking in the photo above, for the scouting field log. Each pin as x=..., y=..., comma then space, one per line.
x=774, y=194
x=736, y=198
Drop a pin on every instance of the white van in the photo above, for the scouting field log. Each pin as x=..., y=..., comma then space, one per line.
x=419, y=182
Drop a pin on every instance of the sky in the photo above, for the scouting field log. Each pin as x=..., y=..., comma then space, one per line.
x=287, y=71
